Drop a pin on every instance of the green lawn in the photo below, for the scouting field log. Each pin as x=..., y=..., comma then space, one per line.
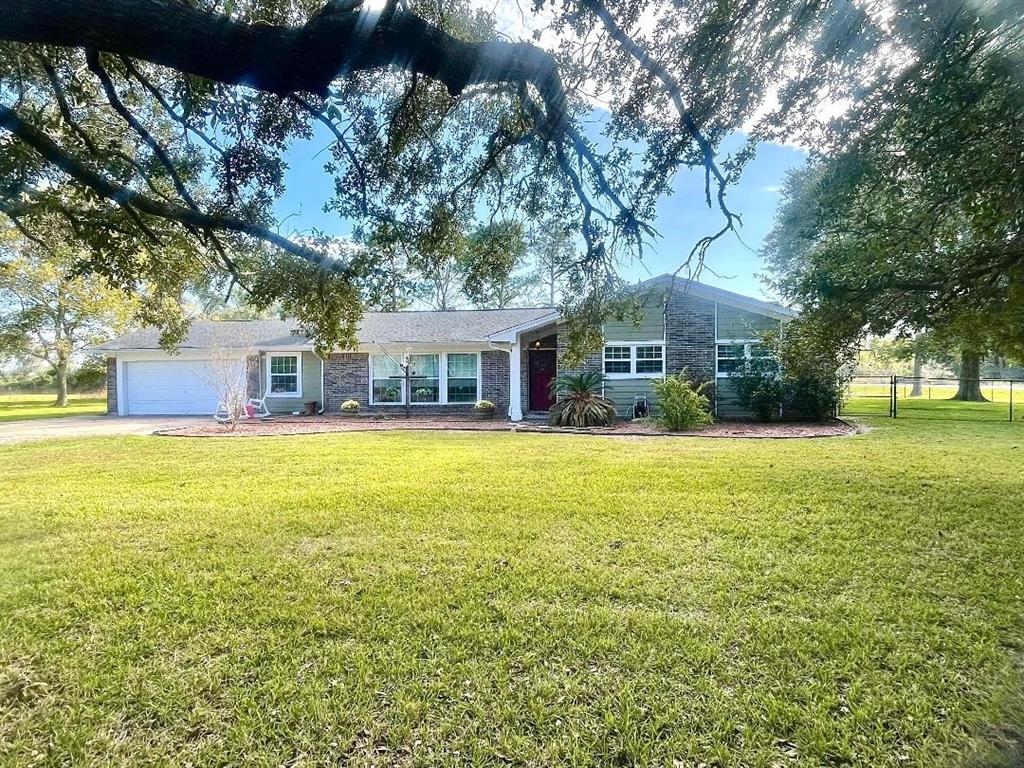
x=22, y=407
x=432, y=599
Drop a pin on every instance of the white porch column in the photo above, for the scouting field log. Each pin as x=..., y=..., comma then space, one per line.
x=515, y=381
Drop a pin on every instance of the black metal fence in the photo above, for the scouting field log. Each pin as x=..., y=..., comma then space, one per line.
x=928, y=397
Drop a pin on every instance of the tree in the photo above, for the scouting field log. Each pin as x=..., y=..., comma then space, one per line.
x=49, y=313
x=919, y=223
x=553, y=254
x=169, y=143
x=495, y=253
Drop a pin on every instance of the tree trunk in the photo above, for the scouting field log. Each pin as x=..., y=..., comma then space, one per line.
x=970, y=378
x=915, y=391
x=62, y=382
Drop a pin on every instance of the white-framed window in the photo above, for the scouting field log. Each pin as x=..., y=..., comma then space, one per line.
x=732, y=354
x=386, y=380
x=284, y=376
x=435, y=378
x=463, y=377
x=622, y=360
x=425, y=378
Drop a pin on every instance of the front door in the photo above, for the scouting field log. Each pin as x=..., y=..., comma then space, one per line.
x=543, y=366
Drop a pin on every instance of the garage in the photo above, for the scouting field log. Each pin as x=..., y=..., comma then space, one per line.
x=175, y=387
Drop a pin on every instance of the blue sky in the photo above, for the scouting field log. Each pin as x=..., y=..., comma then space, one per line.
x=682, y=217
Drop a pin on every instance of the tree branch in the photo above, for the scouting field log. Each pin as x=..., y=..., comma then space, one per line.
x=136, y=202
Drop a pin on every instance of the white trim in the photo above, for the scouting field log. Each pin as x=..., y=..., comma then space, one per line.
x=511, y=334
x=515, y=380
x=632, y=345
x=298, y=374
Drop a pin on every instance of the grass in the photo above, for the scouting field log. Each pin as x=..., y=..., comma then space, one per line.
x=24, y=407
x=434, y=599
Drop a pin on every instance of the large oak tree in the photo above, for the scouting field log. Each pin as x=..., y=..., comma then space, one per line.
x=156, y=128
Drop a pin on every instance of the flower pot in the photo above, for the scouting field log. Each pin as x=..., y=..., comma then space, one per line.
x=309, y=408
x=484, y=414
x=349, y=414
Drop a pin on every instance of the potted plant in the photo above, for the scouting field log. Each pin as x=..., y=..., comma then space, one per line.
x=484, y=409
x=350, y=408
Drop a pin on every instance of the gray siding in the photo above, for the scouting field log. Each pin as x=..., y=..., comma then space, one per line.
x=310, y=385
x=651, y=322
x=740, y=324
x=623, y=393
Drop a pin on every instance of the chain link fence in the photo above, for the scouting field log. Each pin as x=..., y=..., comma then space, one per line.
x=928, y=397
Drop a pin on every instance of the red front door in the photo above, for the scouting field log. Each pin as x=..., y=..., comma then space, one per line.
x=543, y=366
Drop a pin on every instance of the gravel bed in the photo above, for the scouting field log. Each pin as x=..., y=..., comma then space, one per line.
x=319, y=424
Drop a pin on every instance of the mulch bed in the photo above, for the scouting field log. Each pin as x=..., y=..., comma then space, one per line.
x=291, y=425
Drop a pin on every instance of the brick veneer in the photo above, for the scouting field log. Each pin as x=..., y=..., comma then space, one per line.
x=111, y=386
x=252, y=376
x=347, y=377
x=690, y=336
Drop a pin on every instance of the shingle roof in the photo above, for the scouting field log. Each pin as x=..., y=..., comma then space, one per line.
x=714, y=293
x=466, y=325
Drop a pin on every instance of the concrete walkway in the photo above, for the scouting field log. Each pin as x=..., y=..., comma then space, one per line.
x=92, y=426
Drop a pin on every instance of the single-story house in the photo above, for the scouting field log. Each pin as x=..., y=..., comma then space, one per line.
x=507, y=356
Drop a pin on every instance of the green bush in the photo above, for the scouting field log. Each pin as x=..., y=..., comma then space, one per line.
x=350, y=406
x=760, y=387
x=579, y=405
x=484, y=405
x=682, y=404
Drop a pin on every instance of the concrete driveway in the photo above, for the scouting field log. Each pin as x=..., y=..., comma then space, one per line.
x=91, y=426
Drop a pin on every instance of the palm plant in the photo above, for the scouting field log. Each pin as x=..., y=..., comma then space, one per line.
x=579, y=402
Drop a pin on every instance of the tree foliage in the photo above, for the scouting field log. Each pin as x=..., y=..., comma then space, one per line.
x=918, y=224
x=163, y=151
x=50, y=312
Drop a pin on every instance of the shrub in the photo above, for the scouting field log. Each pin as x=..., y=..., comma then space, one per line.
x=579, y=405
x=682, y=404
x=759, y=387
x=350, y=406
x=484, y=405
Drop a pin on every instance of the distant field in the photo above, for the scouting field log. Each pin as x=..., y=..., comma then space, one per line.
x=24, y=407
x=868, y=398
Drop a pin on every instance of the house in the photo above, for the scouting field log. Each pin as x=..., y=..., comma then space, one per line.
x=507, y=356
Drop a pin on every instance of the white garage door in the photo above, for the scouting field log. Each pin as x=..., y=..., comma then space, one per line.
x=186, y=387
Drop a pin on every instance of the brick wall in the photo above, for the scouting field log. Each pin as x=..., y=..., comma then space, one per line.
x=346, y=377
x=111, y=386
x=690, y=336
x=252, y=376
x=494, y=369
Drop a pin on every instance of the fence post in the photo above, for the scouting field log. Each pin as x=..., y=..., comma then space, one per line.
x=892, y=407
x=1011, y=400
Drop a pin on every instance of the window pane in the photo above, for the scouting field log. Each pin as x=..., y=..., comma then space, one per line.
x=461, y=366
x=462, y=390
x=730, y=351
x=284, y=364
x=648, y=366
x=616, y=353
x=728, y=366
x=760, y=350
x=648, y=353
x=425, y=390
x=279, y=384
x=427, y=366
x=616, y=366
x=385, y=367
x=387, y=390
